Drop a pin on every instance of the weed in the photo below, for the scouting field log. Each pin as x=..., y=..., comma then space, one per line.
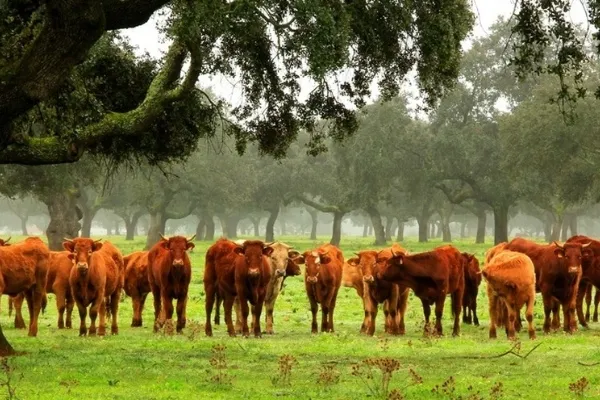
x=384, y=344
x=69, y=384
x=193, y=329
x=448, y=390
x=579, y=386
x=328, y=376
x=218, y=362
x=8, y=380
x=284, y=372
x=365, y=371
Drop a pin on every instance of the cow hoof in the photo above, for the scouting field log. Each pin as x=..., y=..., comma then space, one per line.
x=114, y=331
x=32, y=334
x=208, y=332
x=532, y=335
x=19, y=325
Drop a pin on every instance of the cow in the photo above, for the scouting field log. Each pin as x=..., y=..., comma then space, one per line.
x=96, y=280
x=590, y=275
x=59, y=270
x=510, y=280
x=432, y=276
x=352, y=276
x=137, y=285
x=239, y=271
x=24, y=268
x=169, y=276
x=377, y=291
x=322, y=281
x=472, y=282
x=558, y=272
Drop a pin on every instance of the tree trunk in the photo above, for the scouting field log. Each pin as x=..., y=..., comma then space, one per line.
x=336, y=236
x=209, y=234
x=369, y=230
x=548, y=230
x=270, y=233
x=157, y=226
x=377, y=225
x=400, y=237
x=481, y=223
x=446, y=234
x=86, y=223
x=282, y=226
x=463, y=230
x=256, y=225
x=118, y=228
x=64, y=219
x=573, y=225
x=389, y=228
x=423, y=221
x=365, y=229
x=200, y=228
x=230, y=226
x=314, y=218
x=108, y=230
x=130, y=225
x=500, y=224
x=564, y=231
x=24, y=225
x=439, y=230
x=556, y=227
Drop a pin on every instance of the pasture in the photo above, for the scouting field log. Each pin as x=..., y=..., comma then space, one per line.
x=142, y=365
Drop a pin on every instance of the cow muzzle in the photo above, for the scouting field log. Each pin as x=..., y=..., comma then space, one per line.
x=178, y=263
x=253, y=272
x=280, y=272
x=369, y=279
x=82, y=268
x=574, y=269
x=311, y=279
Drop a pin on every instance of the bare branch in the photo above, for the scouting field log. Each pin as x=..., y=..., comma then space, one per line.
x=128, y=14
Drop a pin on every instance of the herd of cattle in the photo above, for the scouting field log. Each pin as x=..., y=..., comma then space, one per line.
x=247, y=275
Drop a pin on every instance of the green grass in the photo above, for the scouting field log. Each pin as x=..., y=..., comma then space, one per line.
x=138, y=364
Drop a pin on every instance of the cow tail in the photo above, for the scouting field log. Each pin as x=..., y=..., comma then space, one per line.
x=107, y=303
x=44, y=303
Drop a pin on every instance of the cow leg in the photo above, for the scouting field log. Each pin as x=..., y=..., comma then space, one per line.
x=368, y=307
x=402, y=305
x=228, y=306
x=143, y=298
x=181, y=303
x=583, y=288
x=238, y=316
x=256, y=312
x=394, y=330
x=115, y=298
x=548, y=304
x=157, y=307
x=426, y=314
x=209, y=301
x=61, y=306
x=166, y=313
x=439, y=313
x=245, y=312
x=70, y=305
x=18, y=305
x=529, y=314
x=102, y=319
x=493, y=307
x=314, y=308
x=555, y=315
x=136, y=320
x=218, y=309
x=269, y=307
x=332, y=302
x=510, y=320
x=30, y=297
x=596, y=302
x=474, y=307
x=82, y=315
x=94, y=309
x=588, y=301
x=456, y=303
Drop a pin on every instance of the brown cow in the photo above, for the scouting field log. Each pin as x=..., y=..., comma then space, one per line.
x=377, y=291
x=323, y=278
x=432, y=276
x=511, y=284
x=590, y=275
x=136, y=284
x=24, y=268
x=352, y=276
x=59, y=269
x=558, y=273
x=96, y=280
x=472, y=282
x=232, y=270
x=169, y=276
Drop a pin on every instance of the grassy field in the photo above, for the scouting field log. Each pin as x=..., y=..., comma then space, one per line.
x=138, y=364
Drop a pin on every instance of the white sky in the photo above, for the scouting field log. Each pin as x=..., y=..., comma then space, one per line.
x=147, y=38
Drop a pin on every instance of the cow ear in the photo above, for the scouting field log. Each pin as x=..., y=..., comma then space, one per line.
x=325, y=259
x=239, y=250
x=558, y=252
x=587, y=253
x=399, y=258
x=190, y=245
x=97, y=246
x=267, y=251
x=71, y=256
x=299, y=260
x=354, y=261
x=293, y=254
x=69, y=246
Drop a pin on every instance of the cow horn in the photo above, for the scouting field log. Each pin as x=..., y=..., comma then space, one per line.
x=162, y=236
x=68, y=240
x=192, y=238
x=97, y=241
x=7, y=240
x=358, y=254
x=557, y=245
x=269, y=244
x=583, y=246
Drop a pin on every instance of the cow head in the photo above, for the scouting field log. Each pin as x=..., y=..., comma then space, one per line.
x=313, y=261
x=572, y=253
x=367, y=262
x=280, y=257
x=80, y=251
x=389, y=261
x=5, y=242
x=253, y=252
x=177, y=246
x=292, y=269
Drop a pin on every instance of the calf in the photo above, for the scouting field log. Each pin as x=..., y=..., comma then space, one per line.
x=472, y=282
x=24, y=268
x=511, y=284
x=323, y=278
x=377, y=291
x=169, y=276
x=558, y=273
x=59, y=269
x=432, y=276
x=237, y=270
x=137, y=285
x=590, y=276
x=96, y=280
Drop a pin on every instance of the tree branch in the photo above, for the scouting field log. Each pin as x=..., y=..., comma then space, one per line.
x=162, y=91
x=128, y=14
x=318, y=206
x=456, y=197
